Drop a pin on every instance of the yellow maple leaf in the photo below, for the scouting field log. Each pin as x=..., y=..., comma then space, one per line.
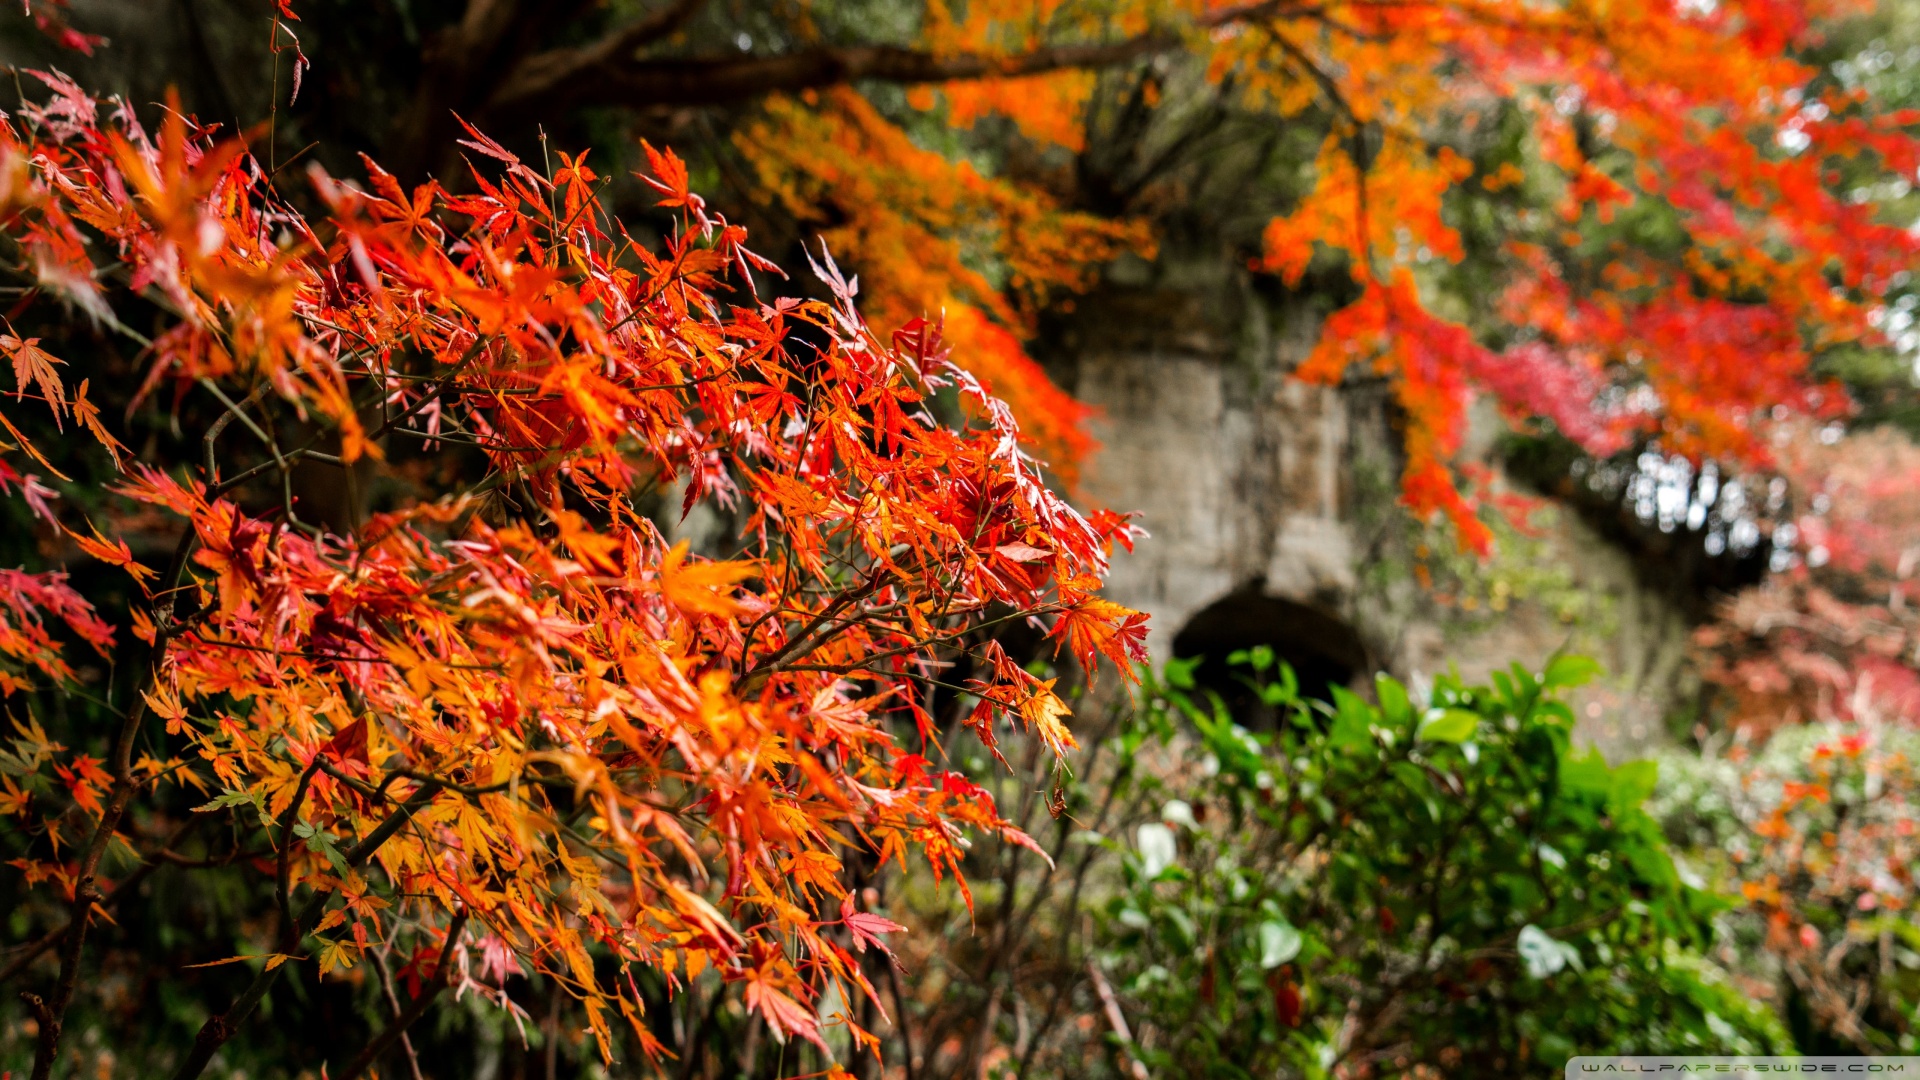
x=1043, y=711
x=334, y=954
x=701, y=588
x=815, y=869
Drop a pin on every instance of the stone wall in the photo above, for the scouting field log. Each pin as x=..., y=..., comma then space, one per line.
x=1269, y=499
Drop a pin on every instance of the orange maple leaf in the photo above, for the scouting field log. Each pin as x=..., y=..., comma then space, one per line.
x=701, y=587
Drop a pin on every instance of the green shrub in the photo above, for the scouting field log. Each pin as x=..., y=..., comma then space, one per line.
x=1439, y=883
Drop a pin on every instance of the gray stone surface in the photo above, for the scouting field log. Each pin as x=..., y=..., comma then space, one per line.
x=1252, y=482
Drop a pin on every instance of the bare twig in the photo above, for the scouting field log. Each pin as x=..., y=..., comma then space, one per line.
x=393, y=1002
x=1116, y=1020
x=398, y=1029
x=218, y=1029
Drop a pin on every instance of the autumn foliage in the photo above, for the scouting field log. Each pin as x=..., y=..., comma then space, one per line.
x=1835, y=634
x=508, y=713
x=1694, y=115
x=1628, y=221
x=1682, y=231
x=510, y=716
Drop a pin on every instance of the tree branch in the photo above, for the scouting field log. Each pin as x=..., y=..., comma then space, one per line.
x=86, y=892
x=723, y=80
x=218, y=1029
x=542, y=74
x=288, y=819
x=607, y=72
x=1116, y=1020
x=393, y=1001
x=449, y=66
x=418, y=1008
x=127, y=885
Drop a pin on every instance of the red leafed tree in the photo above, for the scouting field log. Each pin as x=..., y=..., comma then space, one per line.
x=1835, y=635
x=1678, y=224
x=507, y=713
x=1639, y=219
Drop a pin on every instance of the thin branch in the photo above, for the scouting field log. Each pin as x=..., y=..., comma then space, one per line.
x=441, y=386
x=288, y=818
x=120, y=795
x=1116, y=1019
x=724, y=79
x=541, y=74
x=393, y=1001
x=220, y=1028
x=126, y=887
x=396, y=1030
x=225, y=418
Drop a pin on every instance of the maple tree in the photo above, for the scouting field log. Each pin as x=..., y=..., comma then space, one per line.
x=507, y=716
x=1625, y=220
x=1832, y=632
x=1629, y=221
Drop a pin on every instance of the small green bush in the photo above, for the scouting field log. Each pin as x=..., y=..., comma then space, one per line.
x=1385, y=888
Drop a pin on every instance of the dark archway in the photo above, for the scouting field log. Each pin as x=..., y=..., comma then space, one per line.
x=1323, y=651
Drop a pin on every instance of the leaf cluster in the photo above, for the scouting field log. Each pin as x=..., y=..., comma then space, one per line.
x=1435, y=879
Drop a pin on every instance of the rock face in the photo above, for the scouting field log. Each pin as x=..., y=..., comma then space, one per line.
x=1273, y=517
x=1238, y=484
x=1254, y=486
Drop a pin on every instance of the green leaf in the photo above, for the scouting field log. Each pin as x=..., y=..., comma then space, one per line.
x=1417, y=781
x=239, y=798
x=230, y=798
x=1182, y=925
x=1279, y=943
x=1524, y=678
x=1351, y=721
x=1503, y=686
x=1632, y=783
x=1587, y=775
x=1413, y=776
x=1394, y=703
x=1569, y=671
x=1450, y=726
x=322, y=844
